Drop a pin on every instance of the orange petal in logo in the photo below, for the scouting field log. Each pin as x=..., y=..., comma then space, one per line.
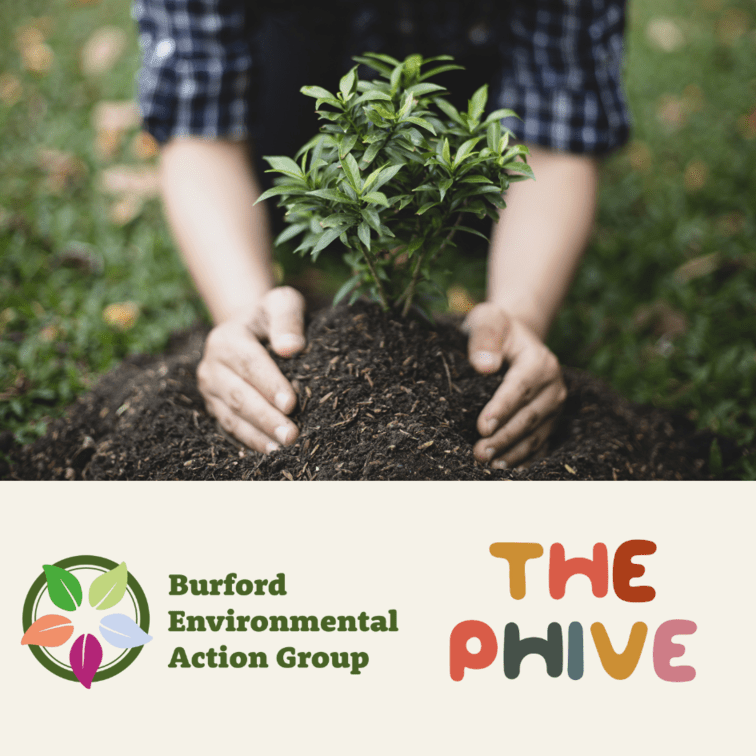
x=51, y=630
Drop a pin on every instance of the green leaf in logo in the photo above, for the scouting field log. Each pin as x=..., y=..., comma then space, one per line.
x=108, y=589
x=65, y=589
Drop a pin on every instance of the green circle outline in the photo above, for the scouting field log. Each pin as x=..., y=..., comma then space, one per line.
x=40, y=582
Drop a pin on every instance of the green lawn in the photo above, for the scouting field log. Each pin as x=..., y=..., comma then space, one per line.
x=664, y=307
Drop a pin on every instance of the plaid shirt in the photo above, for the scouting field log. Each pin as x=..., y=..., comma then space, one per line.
x=559, y=61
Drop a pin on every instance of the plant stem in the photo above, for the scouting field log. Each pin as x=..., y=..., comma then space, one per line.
x=371, y=264
x=409, y=293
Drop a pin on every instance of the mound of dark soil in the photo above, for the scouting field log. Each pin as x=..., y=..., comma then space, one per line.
x=378, y=400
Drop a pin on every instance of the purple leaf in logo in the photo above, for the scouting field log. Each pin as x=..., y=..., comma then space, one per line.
x=122, y=632
x=85, y=658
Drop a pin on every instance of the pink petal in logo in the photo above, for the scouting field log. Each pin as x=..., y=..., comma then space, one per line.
x=85, y=658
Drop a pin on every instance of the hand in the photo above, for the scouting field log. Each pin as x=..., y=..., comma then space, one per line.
x=242, y=386
x=518, y=420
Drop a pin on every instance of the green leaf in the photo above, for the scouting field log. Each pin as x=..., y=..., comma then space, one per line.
x=345, y=288
x=427, y=206
x=476, y=179
x=478, y=103
x=422, y=123
x=449, y=110
x=464, y=150
x=446, y=152
x=520, y=167
x=337, y=219
x=330, y=194
x=363, y=231
x=493, y=136
x=381, y=177
x=346, y=85
x=440, y=69
x=285, y=165
x=419, y=90
x=384, y=113
x=376, y=198
x=498, y=115
x=444, y=185
x=108, y=589
x=413, y=246
x=64, y=588
x=317, y=92
x=373, y=218
x=370, y=153
x=407, y=101
x=396, y=76
x=469, y=230
x=289, y=233
x=282, y=189
x=373, y=94
x=347, y=144
x=326, y=238
x=385, y=58
x=352, y=172
x=375, y=65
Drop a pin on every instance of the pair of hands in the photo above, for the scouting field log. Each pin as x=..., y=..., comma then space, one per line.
x=248, y=394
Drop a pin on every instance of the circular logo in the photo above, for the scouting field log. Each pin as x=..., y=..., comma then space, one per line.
x=74, y=605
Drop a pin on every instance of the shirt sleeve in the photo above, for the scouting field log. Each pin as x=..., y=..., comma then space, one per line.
x=196, y=68
x=562, y=74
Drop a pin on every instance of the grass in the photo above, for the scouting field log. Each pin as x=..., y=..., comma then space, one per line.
x=664, y=307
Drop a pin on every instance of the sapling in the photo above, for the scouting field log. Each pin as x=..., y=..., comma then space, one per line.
x=391, y=175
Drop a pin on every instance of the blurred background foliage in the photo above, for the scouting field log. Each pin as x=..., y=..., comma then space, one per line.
x=664, y=306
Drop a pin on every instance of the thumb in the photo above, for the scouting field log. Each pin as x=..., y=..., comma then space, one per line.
x=487, y=326
x=284, y=310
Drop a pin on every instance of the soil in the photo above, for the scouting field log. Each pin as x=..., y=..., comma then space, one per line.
x=378, y=400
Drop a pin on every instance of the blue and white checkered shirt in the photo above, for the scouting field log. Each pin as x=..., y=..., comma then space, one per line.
x=559, y=61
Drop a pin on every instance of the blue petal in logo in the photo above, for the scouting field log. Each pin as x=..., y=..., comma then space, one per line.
x=122, y=632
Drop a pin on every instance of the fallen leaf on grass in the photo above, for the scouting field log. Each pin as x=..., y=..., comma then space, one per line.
x=696, y=175
x=747, y=125
x=144, y=146
x=141, y=181
x=732, y=25
x=63, y=169
x=102, y=50
x=665, y=34
x=697, y=267
x=126, y=209
x=121, y=315
x=116, y=115
x=10, y=89
x=671, y=112
x=460, y=299
x=639, y=156
x=38, y=58
x=661, y=319
x=49, y=333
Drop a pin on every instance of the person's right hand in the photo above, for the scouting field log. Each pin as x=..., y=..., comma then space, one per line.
x=242, y=386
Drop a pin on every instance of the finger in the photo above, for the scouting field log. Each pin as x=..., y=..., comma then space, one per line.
x=488, y=326
x=246, y=402
x=282, y=320
x=522, y=424
x=526, y=448
x=240, y=428
x=524, y=380
x=247, y=357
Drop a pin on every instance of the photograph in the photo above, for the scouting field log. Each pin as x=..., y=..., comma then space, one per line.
x=402, y=240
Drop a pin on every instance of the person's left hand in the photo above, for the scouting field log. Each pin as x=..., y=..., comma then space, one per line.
x=518, y=420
